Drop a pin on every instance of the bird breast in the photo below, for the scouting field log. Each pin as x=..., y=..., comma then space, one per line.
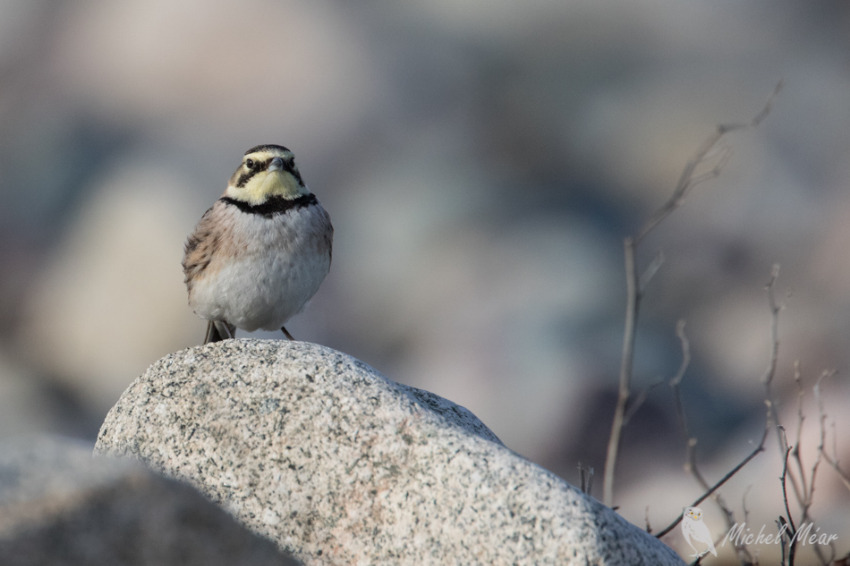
x=263, y=270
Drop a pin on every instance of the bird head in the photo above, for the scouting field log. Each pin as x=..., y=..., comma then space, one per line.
x=266, y=171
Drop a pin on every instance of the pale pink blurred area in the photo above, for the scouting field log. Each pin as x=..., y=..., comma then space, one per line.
x=482, y=163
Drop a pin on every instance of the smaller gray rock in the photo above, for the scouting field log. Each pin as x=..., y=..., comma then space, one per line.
x=60, y=506
x=339, y=465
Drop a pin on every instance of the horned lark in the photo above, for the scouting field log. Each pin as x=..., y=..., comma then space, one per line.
x=261, y=251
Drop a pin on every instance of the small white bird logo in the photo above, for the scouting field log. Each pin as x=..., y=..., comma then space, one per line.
x=694, y=528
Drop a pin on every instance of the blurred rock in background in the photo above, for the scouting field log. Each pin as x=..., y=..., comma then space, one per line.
x=58, y=505
x=482, y=163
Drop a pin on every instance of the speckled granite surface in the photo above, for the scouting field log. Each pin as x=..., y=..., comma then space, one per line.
x=339, y=465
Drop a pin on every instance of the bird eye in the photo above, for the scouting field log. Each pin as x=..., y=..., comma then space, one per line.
x=249, y=163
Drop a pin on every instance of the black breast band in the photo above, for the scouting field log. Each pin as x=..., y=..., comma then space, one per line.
x=274, y=205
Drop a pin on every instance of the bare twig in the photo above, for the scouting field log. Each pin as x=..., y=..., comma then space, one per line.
x=798, y=485
x=786, y=451
x=689, y=178
x=676, y=382
x=638, y=401
x=651, y=270
x=632, y=302
x=802, y=487
x=718, y=485
x=775, y=309
x=586, y=475
x=690, y=465
x=770, y=371
x=782, y=526
x=831, y=460
x=806, y=491
x=770, y=418
x=800, y=491
x=807, y=488
x=791, y=529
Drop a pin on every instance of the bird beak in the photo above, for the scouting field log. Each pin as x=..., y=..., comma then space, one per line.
x=276, y=164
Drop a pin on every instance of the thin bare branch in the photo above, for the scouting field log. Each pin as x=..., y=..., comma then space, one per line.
x=807, y=487
x=719, y=484
x=675, y=384
x=688, y=179
x=786, y=451
x=770, y=371
x=798, y=482
x=802, y=483
x=650, y=271
x=686, y=354
x=638, y=400
x=782, y=527
x=775, y=309
x=831, y=460
x=791, y=531
x=586, y=478
x=691, y=443
x=723, y=154
x=690, y=465
x=633, y=296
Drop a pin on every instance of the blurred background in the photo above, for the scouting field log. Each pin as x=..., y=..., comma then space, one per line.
x=482, y=163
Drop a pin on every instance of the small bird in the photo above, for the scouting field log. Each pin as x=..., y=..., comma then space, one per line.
x=694, y=528
x=261, y=251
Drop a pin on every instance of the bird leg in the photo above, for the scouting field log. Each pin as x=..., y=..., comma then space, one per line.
x=286, y=333
x=218, y=330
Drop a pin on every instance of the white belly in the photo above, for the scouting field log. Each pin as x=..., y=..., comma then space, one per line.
x=278, y=270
